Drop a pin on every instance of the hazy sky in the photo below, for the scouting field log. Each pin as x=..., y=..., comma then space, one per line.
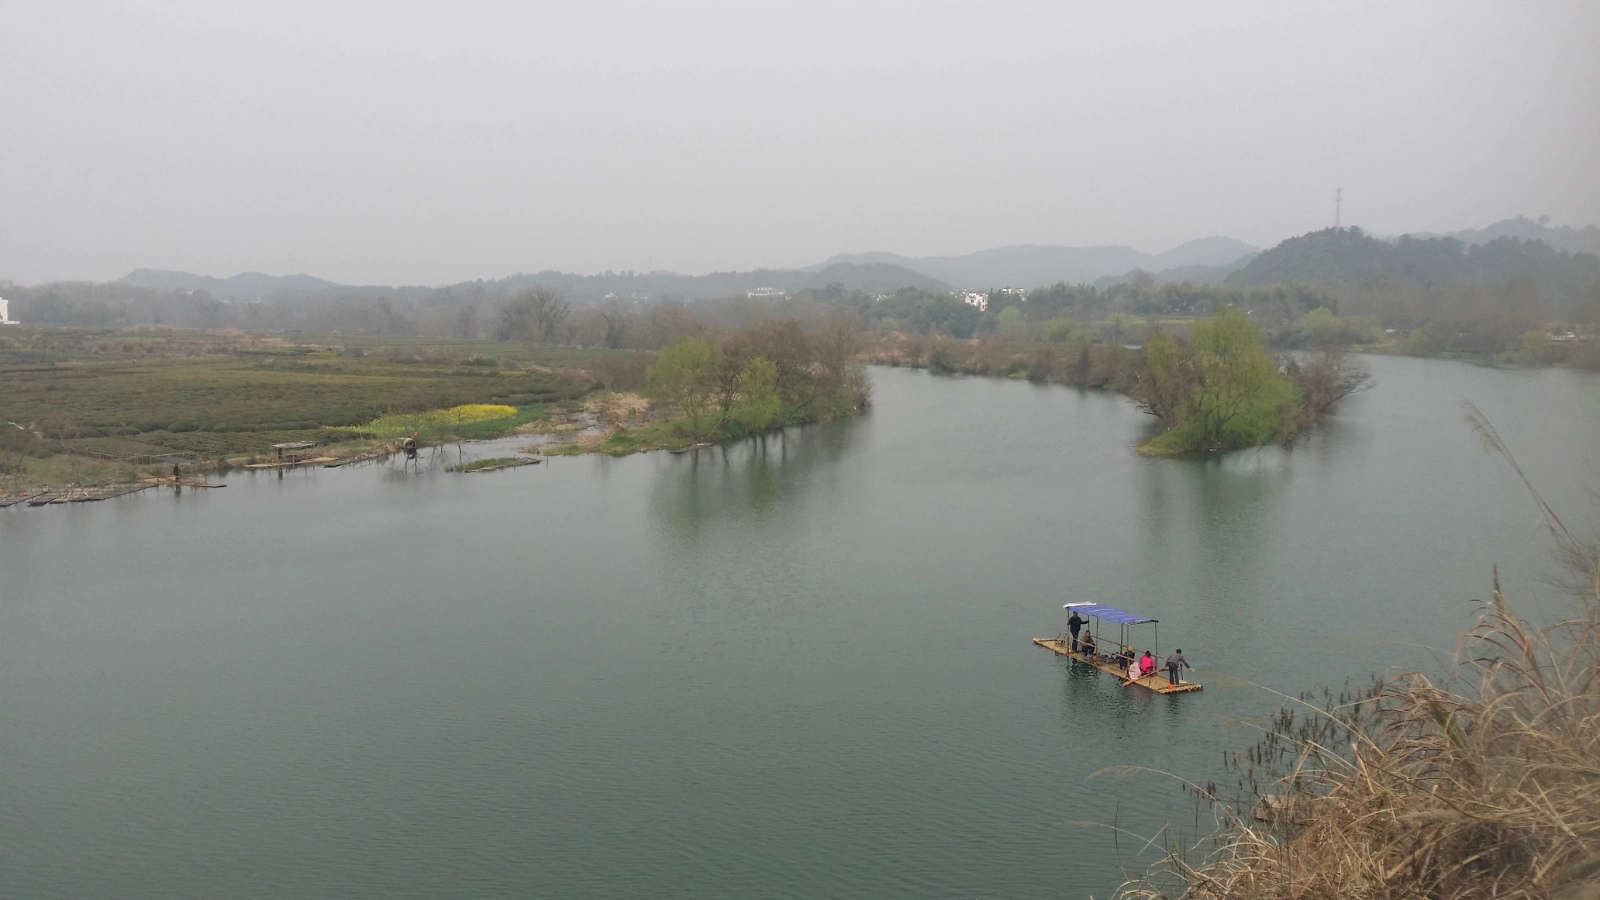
x=435, y=142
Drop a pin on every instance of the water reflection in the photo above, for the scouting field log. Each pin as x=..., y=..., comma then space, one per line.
x=755, y=480
x=1208, y=524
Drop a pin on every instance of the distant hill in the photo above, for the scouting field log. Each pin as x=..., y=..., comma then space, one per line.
x=1563, y=237
x=1349, y=256
x=244, y=286
x=1212, y=252
x=873, y=277
x=1195, y=274
x=1035, y=265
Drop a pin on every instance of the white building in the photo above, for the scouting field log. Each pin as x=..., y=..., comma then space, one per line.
x=769, y=293
x=972, y=298
x=5, y=318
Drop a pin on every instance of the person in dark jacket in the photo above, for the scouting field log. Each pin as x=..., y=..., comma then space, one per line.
x=1075, y=625
x=1175, y=662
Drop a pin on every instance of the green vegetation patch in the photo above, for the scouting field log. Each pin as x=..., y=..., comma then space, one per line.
x=233, y=404
x=477, y=464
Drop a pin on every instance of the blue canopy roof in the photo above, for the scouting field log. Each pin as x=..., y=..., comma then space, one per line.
x=1109, y=613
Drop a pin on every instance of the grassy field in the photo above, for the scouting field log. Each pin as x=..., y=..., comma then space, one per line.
x=127, y=396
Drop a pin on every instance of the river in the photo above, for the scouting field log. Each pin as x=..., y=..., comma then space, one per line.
x=794, y=667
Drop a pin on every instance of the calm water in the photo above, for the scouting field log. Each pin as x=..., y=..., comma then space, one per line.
x=798, y=668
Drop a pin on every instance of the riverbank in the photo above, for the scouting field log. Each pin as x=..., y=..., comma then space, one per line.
x=1215, y=390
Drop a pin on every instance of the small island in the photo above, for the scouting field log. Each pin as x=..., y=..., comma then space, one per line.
x=705, y=389
x=1222, y=390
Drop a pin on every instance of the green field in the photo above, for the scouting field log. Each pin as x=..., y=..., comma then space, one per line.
x=152, y=392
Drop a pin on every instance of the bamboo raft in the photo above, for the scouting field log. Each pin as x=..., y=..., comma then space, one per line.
x=1155, y=682
x=52, y=496
x=352, y=460
x=292, y=464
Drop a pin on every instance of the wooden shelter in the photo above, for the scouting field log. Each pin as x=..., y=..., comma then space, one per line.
x=292, y=451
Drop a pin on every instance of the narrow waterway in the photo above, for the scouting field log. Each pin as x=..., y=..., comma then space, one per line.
x=797, y=667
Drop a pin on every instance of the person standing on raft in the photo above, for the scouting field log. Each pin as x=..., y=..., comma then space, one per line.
x=1174, y=663
x=1075, y=625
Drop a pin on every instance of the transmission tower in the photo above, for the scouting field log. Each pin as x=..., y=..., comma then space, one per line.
x=1338, y=207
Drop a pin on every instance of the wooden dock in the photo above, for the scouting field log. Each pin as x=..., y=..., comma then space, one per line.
x=1157, y=682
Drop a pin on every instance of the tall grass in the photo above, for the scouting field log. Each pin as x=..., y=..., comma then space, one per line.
x=1484, y=785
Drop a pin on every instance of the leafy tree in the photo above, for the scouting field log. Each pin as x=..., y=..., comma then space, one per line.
x=1319, y=328
x=1240, y=397
x=1224, y=392
x=1008, y=323
x=685, y=376
x=1165, y=384
x=1060, y=329
x=758, y=401
x=1423, y=340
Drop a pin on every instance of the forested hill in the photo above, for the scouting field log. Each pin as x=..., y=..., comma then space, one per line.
x=1350, y=257
x=1031, y=265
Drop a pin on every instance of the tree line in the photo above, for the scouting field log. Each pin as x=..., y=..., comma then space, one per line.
x=761, y=376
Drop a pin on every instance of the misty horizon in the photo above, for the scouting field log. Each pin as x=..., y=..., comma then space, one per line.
x=424, y=147
x=841, y=256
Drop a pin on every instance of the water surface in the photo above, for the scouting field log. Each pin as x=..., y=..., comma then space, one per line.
x=795, y=667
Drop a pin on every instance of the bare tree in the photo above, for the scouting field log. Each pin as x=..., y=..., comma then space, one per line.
x=514, y=321
x=467, y=319
x=547, y=309
x=616, y=327
x=1325, y=378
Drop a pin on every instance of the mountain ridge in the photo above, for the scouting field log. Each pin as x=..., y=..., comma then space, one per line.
x=1203, y=260
x=250, y=286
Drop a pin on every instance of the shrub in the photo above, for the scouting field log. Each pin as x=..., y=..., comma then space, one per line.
x=940, y=362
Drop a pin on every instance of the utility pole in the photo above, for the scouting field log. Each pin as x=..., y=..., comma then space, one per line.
x=1338, y=207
